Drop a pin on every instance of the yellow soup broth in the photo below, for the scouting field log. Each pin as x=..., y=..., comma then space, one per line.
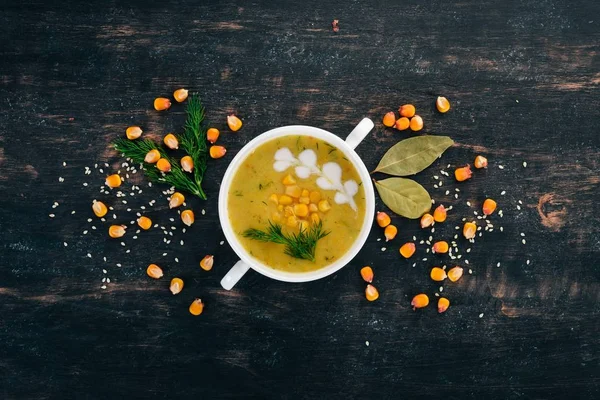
x=257, y=196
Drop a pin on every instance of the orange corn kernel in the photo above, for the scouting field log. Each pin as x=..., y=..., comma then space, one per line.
x=187, y=217
x=99, y=208
x=438, y=274
x=217, y=151
x=427, y=220
x=196, y=307
x=289, y=180
x=152, y=156
x=176, y=200
x=455, y=273
x=144, y=222
x=154, y=271
x=133, y=132
x=462, y=174
x=439, y=214
x=390, y=232
x=113, y=181
x=489, y=206
x=442, y=104
x=416, y=123
x=383, y=219
x=234, y=122
x=161, y=103
x=171, y=141
x=389, y=119
x=371, y=293
x=212, y=134
x=176, y=285
x=440, y=247
x=469, y=230
x=187, y=163
x=407, y=249
x=407, y=110
x=419, y=301
x=443, y=304
x=180, y=95
x=116, y=231
x=367, y=274
x=480, y=162
x=163, y=165
x=207, y=262
x=402, y=123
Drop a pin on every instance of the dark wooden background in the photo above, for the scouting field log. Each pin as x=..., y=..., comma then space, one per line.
x=524, y=81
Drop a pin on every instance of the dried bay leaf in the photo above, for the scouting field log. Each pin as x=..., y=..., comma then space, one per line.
x=413, y=155
x=404, y=196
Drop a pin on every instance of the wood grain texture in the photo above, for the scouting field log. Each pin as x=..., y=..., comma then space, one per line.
x=524, y=82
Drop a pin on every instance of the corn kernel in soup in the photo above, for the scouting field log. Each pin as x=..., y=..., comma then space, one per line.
x=297, y=182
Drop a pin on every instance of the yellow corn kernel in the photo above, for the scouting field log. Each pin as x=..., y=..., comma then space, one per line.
x=180, y=95
x=440, y=213
x=463, y=173
x=324, y=206
x=407, y=249
x=171, y=141
x=303, y=225
x=144, y=222
x=152, y=156
x=293, y=191
x=288, y=211
x=113, y=181
x=305, y=193
x=419, y=301
x=176, y=285
x=187, y=217
x=371, y=293
x=440, y=247
x=99, y=208
x=442, y=104
x=133, y=132
x=383, y=219
x=480, y=162
x=234, y=123
x=154, y=271
x=196, y=307
x=390, y=232
x=455, y=273
x=274, y=199
x=289, y=180
x=427, y=220
x=217, y=151
x=489, y=206
x=176, y=200
x=161, y=104
x=304, y=200
x=163, y=165
x=314, y=218
x=291, y=221
x=212, y=134
x=443, y=304
x=116, y=231
x=276, y=217
x=389, y=119
x=469, y=230
x=207, y=262
x=301, y=210
x=313, y=208
x=280, y=208
x=314, y=197
x=187, y=163
x=437, y=274
x=367, y=274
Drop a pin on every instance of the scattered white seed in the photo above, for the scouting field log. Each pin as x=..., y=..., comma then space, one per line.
x=441, y=288
x=164, y=254
x=61, y=179
x=498, y=265
x=501, y=166
x=128, y=251
x=435, y=186
x=103, y=287
x=51, y=215
x=524, y=164
x=470, y=271
x=93, y=227
x=383, y=249
x=469, y=203
x=481, y=315
x=181, y=242
x=518, y=207
x=447, y=192
x=64, y=164
x=65, y=243
x=89, y=255
x=122, y=243
x=523, y=241
x=221, y=242
x=456, y=195
x=436, y=177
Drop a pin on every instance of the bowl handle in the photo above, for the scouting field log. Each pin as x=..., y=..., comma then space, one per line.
x=234, y=275
x=359, y=133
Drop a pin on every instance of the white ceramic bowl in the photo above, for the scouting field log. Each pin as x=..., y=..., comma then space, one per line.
x=347, y=147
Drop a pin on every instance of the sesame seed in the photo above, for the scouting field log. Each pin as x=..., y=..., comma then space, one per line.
x=435, y=186
x=520, y=202
x=181, y=242
x=522, y=234
x=470, y=271
x=118, y=265
x=172, y=219
x=51, y=215
x=65, y=243
x=466, y=261
x=164, y=254
x=436, y=177
x=122, y=243
x=89, y=255
x=415, y=238
x=498, y=265
x=432, y=201
x=518, y=207
x=128, y=251
x=103, y=287
x=93, y=227
x=383, y=249
x=104, y=258
x=456, y=196
x=503, y=193
x=107, y=280
x=437, y=294
x=61, y=179
x=64, y=164
x=425, y=259
x=524, y=164
x=528, y=262
x=414, y=265
x=103, y=279
x=501, y=166
x=85, y=184
x=447, y=192
x=221, y=242
x=523, y=241
x=441, y=288
x=378, y=239
x=469, y=203
x=481, y=315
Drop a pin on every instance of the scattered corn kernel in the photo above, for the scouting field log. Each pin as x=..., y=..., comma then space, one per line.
x=133, y=132
x=437, y=274
x=469, y=230
x=480, y=162
x=303, y=225
x=180, y=95
x=207, y=262
x=371, y=293
x=187, y=163
x=289, y=180
x=313, y=208
x=176, y=285
x=407, y=249
x=440, y=213
x=116, y=231
x=440, y=247
x=442, y=104
x=324, y=206
x=171, y=141
x=273, y=198
x=367, y=274
x=383, y=219
x=154, y=271
x=292, y=221
x=489, y=206
x=443, y=304
x=161, y=104
x=304, y=200
x=99, y=209
x=463, y=173
x=416, y=123
x=301, y=210
x=113, y=181
x=163, y=165
x=144, y=222
x=234, y=123
x=390, y=232
x=419, y=301
x=407, y=110
x=315, y=219
x=427, y=220
x=152, y=156
x=217, y=151
x=187, y=217
x=293, y=191
x=280, y=207
x=455, y=273
x=176, y=200
x=285, y=200
x=305, y=193
x=276, y=217
x=389, y=119
x=314, y=197
x=289, y=211
x=196, y=307
x=212, y=134
x=402, y=123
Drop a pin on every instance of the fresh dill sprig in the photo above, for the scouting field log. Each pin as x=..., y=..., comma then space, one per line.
x=301, y=245
x=192, y=142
